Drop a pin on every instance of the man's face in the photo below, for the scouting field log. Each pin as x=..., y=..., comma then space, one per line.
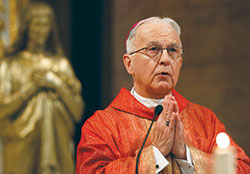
x=154, y=78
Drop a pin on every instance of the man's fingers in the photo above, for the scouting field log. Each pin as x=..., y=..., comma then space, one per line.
x=176, y=108
x=179, y=125
x=164, y=113
x=172, y=120
x=169, y=106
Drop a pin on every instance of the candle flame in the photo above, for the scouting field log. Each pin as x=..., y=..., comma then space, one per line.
x=222, y=140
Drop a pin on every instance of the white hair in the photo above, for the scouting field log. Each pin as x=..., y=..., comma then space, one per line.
x=131, y=35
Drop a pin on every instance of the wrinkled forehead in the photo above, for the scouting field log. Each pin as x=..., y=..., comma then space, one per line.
x=157, y=31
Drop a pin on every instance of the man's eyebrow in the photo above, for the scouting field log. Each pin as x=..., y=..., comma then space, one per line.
x=174, y=44
x=153, y=43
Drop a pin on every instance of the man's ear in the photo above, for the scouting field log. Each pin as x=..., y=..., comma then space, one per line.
x=181, y=60
x=128, y=63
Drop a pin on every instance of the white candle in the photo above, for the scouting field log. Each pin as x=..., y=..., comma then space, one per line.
x=224, y=155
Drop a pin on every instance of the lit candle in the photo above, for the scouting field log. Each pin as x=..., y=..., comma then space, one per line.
x=224, y=155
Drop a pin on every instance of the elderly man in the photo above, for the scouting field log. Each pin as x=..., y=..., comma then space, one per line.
x=182, y=138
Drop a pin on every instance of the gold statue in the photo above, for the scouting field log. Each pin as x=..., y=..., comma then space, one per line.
x=1, y=40
x=39, y=99
x=1, y=30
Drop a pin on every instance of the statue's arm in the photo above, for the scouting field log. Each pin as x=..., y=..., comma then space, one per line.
x=70, y=90
x=10, y=104
x=72, y=100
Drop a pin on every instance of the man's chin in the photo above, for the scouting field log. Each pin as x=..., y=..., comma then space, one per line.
x=162, y=91
x=164, y=86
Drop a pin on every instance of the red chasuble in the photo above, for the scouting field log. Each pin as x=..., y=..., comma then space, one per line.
x=112, y=137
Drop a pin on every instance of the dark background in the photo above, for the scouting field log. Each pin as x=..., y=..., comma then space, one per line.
x=216, y=41
x=87, y=53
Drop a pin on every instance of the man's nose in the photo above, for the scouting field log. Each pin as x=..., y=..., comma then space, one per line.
x=165, y=59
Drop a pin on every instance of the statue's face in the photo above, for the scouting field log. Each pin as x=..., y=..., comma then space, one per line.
x=39, y=28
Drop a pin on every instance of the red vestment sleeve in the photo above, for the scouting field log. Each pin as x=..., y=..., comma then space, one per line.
x=98, y=151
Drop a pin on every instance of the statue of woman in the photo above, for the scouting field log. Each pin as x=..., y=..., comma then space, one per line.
x=40, y=99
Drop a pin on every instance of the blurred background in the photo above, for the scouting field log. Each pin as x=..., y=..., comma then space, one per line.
x=215, y=36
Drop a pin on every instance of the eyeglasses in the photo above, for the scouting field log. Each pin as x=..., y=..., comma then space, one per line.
x=155, y=52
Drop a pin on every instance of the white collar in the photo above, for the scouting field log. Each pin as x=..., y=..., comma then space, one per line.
x=148, y=102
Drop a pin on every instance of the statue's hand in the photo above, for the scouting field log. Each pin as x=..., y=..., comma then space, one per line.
x=46, y=79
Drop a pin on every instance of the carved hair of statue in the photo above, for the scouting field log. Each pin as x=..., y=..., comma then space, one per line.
x=53, y=46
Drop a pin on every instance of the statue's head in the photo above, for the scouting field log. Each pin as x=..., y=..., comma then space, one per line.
x=38, y=20
x=38, y=28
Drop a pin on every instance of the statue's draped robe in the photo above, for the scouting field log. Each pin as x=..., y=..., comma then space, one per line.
x=38, y=137
x=111, y=139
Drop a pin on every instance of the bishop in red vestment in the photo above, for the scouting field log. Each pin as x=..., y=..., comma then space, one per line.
x=112, y=138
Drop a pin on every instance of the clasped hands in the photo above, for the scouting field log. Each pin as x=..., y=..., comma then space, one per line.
x=46, y=79
x=169, y=138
